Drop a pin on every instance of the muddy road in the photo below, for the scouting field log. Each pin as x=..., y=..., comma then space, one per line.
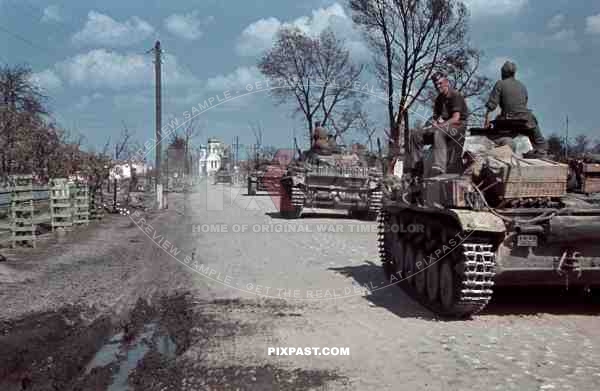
x=194, y=297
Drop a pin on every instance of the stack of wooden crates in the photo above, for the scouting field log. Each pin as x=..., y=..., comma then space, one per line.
x=22, y=210
x=60, y=204
x=81, y=203
x=96, y=207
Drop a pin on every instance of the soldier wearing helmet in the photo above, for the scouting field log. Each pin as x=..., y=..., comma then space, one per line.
x=511, y=96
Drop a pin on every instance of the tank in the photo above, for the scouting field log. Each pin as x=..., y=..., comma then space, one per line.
x=501, y=220
x=225, y=173
x=268, y=173
x=323, y=180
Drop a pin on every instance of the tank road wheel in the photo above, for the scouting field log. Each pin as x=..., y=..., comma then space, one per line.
x=455, y=283
x=252, y=188
x=448, y=286
x=399, y=250
x=433, y=282
x=466, y=281
x=409, y=262
x=420, y=274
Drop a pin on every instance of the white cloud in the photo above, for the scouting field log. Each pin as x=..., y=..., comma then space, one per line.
x=592, y=24
x=259, y=36
x=52, y=14
x=484, y=8
x=239, y=79
x=556, y=21
x=134, y=100
x=101, y=68
x=103, y=30
x=186, y=26
x=562, y=40
x=47, y=80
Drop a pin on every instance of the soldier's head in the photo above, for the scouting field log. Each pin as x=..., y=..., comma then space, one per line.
x=440, y=80
x=509, y=69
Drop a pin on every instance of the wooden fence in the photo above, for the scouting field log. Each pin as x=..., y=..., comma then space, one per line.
x=60, y=205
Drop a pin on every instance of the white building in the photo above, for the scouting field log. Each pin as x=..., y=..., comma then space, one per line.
x=210, y=157
x=123, y=170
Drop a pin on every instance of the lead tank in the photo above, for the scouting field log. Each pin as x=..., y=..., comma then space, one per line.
x=502, y=220
x=332, y=179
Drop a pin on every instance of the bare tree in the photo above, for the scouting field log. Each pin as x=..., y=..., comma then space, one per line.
x=316, y=73
x=380, y=26
x=367, y=128
x=347, y=120
x=581, y=145
x=122, y=150
x=257, y=130
x=191, y=131
x=416, y=38
x=21, y=107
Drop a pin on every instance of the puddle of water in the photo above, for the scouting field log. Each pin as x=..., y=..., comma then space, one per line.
x=108, y=354
x=127, y=356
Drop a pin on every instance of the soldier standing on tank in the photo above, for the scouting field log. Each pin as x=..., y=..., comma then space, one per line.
x=511, y=95
x=450, y=114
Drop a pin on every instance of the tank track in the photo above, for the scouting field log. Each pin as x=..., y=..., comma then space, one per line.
x=291, y=202
x=297, y=197
x=375, y=202
x=473, y=263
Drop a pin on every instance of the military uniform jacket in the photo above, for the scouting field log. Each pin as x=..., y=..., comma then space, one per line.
x=511, y=95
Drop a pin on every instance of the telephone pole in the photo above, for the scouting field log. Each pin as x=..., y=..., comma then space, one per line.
x=157, y=150
x=567, y=140
x=237, y=149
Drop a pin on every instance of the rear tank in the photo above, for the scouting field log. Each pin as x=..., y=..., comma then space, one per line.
x=322, y=181
x=267, y=174
x=450, y=240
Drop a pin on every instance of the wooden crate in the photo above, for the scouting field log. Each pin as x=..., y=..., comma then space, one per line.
x=80, y=203
x=448, y=190
x=591, y=178
x=60, y=204
x=22, y=210
x=95, y=204
x=532, y=178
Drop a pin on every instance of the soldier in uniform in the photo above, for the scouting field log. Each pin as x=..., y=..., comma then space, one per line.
x=320, y=138
x=450, y=114
x=511, y=95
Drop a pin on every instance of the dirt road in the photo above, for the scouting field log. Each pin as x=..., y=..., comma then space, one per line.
x=222, y=279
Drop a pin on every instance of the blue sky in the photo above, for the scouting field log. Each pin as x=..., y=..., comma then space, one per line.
x=91, y=59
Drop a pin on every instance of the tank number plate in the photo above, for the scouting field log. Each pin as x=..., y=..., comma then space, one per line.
x=527, y=241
